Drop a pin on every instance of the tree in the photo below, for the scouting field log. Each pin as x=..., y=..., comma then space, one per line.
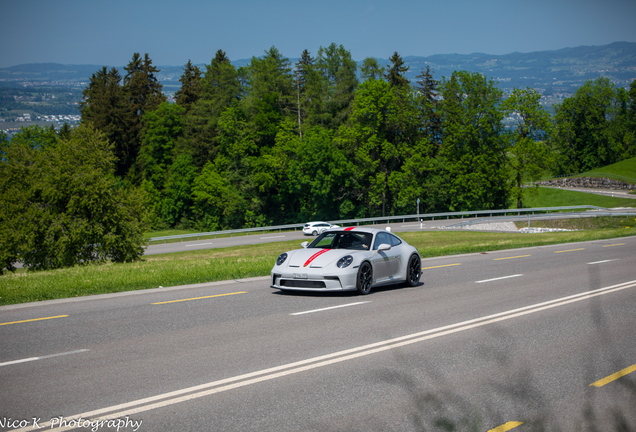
x=591, y=127
x=65, y=131
x=473, y=149
x=270, y=95
x=528, y=155
x=177, y=194
x=163, y=128
x=395, y=72
x=220, y=87
x=303, y=69
x=426, y=87
x=190, y=90
x=143, y=93
x=60, y=204
x=383, y=132
x=105, y=106
x=337, y=83
x=371, y=69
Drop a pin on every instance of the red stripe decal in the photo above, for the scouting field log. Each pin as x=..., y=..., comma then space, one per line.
x=349, y=229
x=314, y=256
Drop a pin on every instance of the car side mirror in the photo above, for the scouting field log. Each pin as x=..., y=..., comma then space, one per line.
x=384, y=247
x=304, y=245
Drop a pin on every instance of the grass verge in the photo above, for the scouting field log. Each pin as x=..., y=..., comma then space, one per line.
x=551, y=197
x=246, y=261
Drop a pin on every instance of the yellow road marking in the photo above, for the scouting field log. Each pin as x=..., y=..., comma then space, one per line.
x=34, y=319
x=199, y=298
x=617, y=244
x=613, y=377
x=447, y=265
x=570, y=250
x=520, y=256
x=506, y=426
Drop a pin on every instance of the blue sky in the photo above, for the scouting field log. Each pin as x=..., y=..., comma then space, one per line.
x=103, y=32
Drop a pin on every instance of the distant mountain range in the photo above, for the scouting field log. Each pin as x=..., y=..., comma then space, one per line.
x=551, y=72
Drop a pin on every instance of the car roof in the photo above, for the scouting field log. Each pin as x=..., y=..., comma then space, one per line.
x=359, y=229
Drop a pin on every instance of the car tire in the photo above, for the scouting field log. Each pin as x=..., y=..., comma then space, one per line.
x=413, y=271
x=364, y=278
x=315, y=233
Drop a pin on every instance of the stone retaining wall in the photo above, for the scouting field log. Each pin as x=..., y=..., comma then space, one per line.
x=589, y=182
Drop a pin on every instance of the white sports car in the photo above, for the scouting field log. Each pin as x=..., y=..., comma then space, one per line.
x=348, y=259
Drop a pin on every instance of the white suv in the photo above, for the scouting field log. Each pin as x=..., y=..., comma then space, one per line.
x=315, y=228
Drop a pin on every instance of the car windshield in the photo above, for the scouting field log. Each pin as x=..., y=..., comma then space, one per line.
x=342, y=240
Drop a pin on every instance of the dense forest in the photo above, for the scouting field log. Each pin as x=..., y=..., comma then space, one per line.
x=273, y=142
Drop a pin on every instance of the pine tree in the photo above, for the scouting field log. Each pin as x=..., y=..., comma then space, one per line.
x=190, y=90
x=143, y=94
x=395, y=72
x=431, y=119
x=219, y=88
x=303, y=69
x=105, y=106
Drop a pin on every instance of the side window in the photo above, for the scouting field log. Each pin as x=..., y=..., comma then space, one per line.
x=381, y=238
x=394, y=241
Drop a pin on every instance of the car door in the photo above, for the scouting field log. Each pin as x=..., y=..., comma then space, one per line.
x=397, y=260
x=382, y=259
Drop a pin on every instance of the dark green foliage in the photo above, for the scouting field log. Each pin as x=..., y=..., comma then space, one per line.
x=528, y=156
x=190, y=90
x=334, y=86
x=473, y=148
x=143, y=93
x=371, y=69
x=177, y=192
x=592, y=128
x=220, y=87
x=395, y=72
x=105, y=106
x=426, y=87
x=65, y=131
x=35, y=137
x=60, y=204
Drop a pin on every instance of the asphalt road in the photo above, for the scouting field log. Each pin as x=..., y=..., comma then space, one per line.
x=513, y=338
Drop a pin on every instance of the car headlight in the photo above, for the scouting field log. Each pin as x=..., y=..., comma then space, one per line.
x=345, y=261
x=281, y=259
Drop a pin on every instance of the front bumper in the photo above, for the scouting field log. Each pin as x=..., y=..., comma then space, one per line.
x=313, y=280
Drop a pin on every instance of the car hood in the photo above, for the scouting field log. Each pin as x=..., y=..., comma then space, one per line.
x=318, y=258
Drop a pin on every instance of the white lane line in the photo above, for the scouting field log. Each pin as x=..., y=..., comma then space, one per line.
x=262, y=238
x=604, y=261
x=499, y=278
x=198, y=244
x=328, y=308
x=210, y=388
x=41, y=357
x=408, y=226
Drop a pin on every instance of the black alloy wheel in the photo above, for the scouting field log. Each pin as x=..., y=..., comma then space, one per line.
x=413, y=271
x=364, y=279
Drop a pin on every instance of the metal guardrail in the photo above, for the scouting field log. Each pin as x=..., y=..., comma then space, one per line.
x=388, y=219
x=542, y=216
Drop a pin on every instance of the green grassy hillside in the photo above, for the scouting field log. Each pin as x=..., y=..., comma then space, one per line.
x=552, y=197
x=626, y=168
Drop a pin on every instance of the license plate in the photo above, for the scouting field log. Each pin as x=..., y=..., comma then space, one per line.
x=300, y=276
